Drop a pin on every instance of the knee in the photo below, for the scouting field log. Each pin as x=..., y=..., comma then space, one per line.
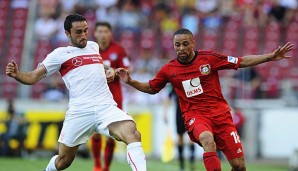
x=63, y=163
x=207, y=141
x=238, y=165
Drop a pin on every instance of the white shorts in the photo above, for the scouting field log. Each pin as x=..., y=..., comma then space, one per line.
x=79, y=125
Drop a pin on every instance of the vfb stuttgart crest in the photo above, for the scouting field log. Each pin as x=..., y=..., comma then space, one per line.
x=77, y=61
x=205, y=69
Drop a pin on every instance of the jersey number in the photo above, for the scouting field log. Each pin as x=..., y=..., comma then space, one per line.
x=235, y=136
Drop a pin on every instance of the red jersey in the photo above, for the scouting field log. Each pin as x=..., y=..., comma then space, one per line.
x=197, y=83
x=115, y=57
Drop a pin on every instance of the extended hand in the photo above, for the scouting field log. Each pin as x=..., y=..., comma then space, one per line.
x=12, y=69
x=280, y=52
x=110, y=74
x=123, y=74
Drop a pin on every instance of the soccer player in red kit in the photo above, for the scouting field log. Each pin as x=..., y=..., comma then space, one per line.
x=113, y=56
x=194, y=77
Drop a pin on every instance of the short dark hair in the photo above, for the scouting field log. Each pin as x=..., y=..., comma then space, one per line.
x=103, y=23
x=72, y=18
x=183, y=31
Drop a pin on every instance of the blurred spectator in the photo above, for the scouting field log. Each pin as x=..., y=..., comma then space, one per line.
x=239, y=121
x=130, y=17
x=190, y=20
x=277, y=12
x=248, y=84
x=54, y=92
x=45, y=21
x=16, y=129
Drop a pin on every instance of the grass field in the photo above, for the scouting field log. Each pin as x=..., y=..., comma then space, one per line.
x=17, y=164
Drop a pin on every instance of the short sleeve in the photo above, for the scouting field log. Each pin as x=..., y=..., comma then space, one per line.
x=51, y=63
x=124, y=61
x=221, y=61
x=160, y=80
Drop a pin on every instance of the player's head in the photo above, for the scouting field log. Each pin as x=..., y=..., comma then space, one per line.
x=103, y=32
x=183, y=44
x=76, y=29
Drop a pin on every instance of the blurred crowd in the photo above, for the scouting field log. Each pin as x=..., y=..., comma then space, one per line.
x=145, y=27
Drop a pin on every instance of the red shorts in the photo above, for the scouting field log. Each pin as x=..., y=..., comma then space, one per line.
x=221, y=126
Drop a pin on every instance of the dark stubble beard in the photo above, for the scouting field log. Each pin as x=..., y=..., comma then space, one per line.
x=75, y=43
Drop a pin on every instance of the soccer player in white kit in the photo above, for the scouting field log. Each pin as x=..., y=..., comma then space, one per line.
x=91, y=105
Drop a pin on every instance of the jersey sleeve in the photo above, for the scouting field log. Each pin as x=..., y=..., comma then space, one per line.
x=123, y=58
x=51, y=63
x=160, y=80
x=221, y=61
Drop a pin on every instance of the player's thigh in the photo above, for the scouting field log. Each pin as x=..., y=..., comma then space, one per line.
x=124, y=131
x=115, y=123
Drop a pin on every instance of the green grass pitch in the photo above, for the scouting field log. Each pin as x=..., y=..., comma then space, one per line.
x=18, y=164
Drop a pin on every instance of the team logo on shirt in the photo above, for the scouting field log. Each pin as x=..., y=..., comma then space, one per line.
x=232, y=59
x=205, y=69
x=77, y=61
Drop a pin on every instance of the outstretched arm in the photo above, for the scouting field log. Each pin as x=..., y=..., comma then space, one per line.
x=278, y=54
x=28, y=78
x=123, y=74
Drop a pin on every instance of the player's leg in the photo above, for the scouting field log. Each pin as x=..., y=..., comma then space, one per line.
x=206, y=139
x=229, y=142
x=180, y=151
x=127, y=132
x=96, y=151
x=108, y=155
x=238, y=164
x=180, y=131
x=192, y=156
x=64, y=158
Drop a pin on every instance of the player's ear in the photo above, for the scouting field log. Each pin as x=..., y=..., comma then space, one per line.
x=67, y=34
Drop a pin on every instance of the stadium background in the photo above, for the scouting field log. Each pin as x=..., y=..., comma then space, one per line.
x=29, y=29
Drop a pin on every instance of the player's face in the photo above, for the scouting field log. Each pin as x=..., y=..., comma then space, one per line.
x=78, y=34
x=183, y=45
x=103, y=34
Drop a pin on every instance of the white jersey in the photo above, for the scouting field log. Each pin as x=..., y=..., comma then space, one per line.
x=83, y=72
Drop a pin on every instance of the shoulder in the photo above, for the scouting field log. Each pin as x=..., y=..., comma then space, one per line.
x=211, y=53
x=92, y=43
x=117, y=45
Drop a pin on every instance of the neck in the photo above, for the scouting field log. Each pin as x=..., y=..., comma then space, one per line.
x=104, y=46
x=191, y=56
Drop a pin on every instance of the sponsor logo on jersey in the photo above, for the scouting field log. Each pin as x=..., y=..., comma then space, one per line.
x=205, y=69
x=192, y=87
x=190, y=122
x=77, y=61
x=232, y=59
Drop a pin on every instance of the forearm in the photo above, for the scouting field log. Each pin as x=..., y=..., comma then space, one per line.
x=252, y=60
x=27, y=78
x=143, y=87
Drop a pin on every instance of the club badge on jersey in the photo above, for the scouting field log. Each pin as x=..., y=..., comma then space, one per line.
x=205, y=69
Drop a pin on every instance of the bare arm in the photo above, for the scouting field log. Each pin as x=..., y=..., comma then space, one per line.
x=278, y=54
x=141, y=86
x=28, y=78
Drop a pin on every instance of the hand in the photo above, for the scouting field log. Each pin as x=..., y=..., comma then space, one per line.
x=123, y=74
x=12, y=69
x=110, y=74
x=280, y=52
